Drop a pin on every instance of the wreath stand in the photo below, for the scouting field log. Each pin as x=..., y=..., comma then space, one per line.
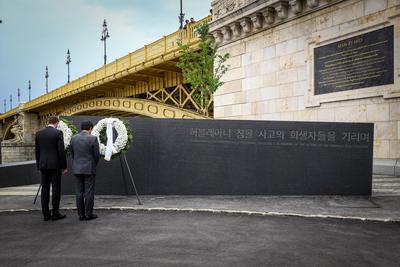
x=130, y=175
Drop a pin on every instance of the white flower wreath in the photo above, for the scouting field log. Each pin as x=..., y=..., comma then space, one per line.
x=67, y=133
x=122, y=138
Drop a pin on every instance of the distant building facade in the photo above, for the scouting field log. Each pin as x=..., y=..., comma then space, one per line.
x=313, y=60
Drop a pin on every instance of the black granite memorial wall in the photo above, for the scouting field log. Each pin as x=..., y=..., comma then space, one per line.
x=221, y=157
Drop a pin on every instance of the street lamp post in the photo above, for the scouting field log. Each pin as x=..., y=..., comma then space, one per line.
x=5, y=106
x=68, y=61
x=181, y=17
x=104, y=36
x=29, y=90
x=47, y=79
x=10, y=101
x=19, y=96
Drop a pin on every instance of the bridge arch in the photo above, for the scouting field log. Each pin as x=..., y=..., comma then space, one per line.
x=137, y=106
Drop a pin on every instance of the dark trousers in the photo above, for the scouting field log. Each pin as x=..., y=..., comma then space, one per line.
x=52, y=177
x=84, y=191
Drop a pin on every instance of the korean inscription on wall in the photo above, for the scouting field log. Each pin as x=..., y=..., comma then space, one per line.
x=273, y=136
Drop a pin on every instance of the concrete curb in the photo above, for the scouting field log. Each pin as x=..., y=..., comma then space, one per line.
x=233, y=212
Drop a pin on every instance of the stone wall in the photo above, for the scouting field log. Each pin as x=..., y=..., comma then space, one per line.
x=14, y=152
x=271, y=71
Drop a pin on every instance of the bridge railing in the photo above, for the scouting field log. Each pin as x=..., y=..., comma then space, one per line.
x=161, y=47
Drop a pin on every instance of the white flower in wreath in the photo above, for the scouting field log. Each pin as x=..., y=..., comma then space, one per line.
x=122, y=138
x=67, y=133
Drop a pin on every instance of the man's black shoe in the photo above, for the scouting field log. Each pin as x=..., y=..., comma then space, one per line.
x=91, y=217
x=82, y=218
x=58, y=216
x=47, y=218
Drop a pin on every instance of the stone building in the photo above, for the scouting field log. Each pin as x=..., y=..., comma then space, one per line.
x=313, y=60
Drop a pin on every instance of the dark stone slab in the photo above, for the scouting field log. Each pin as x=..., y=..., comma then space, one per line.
x=362, y=61
x=221, y=157
x=18, y=174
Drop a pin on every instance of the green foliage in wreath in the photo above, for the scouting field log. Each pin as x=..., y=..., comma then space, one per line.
x=74, y=130
x=103, y=138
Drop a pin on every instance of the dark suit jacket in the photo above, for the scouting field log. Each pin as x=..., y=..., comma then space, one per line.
x=49, y=149
x=85, y=153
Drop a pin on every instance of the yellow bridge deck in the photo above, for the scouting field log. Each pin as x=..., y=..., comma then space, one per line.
x=154, y=62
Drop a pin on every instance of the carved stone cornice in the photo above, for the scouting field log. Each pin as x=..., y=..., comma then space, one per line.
x=246, y=24
x=257, y=19
x=241, y=18
x=269, y=15
x=296, y=6
x=282, y=9
x=236, y=29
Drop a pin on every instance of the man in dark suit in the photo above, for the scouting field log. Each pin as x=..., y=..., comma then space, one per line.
x=51, y=161
x=85, y=156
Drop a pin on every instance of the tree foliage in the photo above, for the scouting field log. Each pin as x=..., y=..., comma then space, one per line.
x=203, y=68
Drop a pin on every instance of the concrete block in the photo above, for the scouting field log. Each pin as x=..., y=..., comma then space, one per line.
x=299, y=59
x=230, y=99
x=378, y=112
x=252, y=82
x=397, y=168
x=253, y=95
x=287, y=47
x=252, y=57
x=286, y=62
x=329, y=32
x=255, y=44
x=392, y=3
x=394, y=149
x=300, y=103
x=349, y=25
x=300, y=88
x=286, y=90
x=287, y=104
x=234, y=50
x=398, y=130
x=234, y=62
x=326, y=115
x=270, y=79
x=230, y=87
x=301, y=43
x=269, y=106
x=351, y=114
x=386, y=130
x=381, y=149
x=270, y=66
x=305, y=115
x=350, y=12
x=372, y=6
x=269, y=52
x=324, y=21
x=287, y=76
x=268, y=93
x=287, y=116
x=271, y=117
x=233, y=74
x=302, y=73
x=394, y=111
x=384, y=166
x=252, y=70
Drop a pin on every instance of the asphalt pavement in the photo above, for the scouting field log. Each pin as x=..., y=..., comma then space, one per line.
x=142, y=238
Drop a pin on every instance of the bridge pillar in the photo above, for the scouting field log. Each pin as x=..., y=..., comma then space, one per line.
x=19, y=138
